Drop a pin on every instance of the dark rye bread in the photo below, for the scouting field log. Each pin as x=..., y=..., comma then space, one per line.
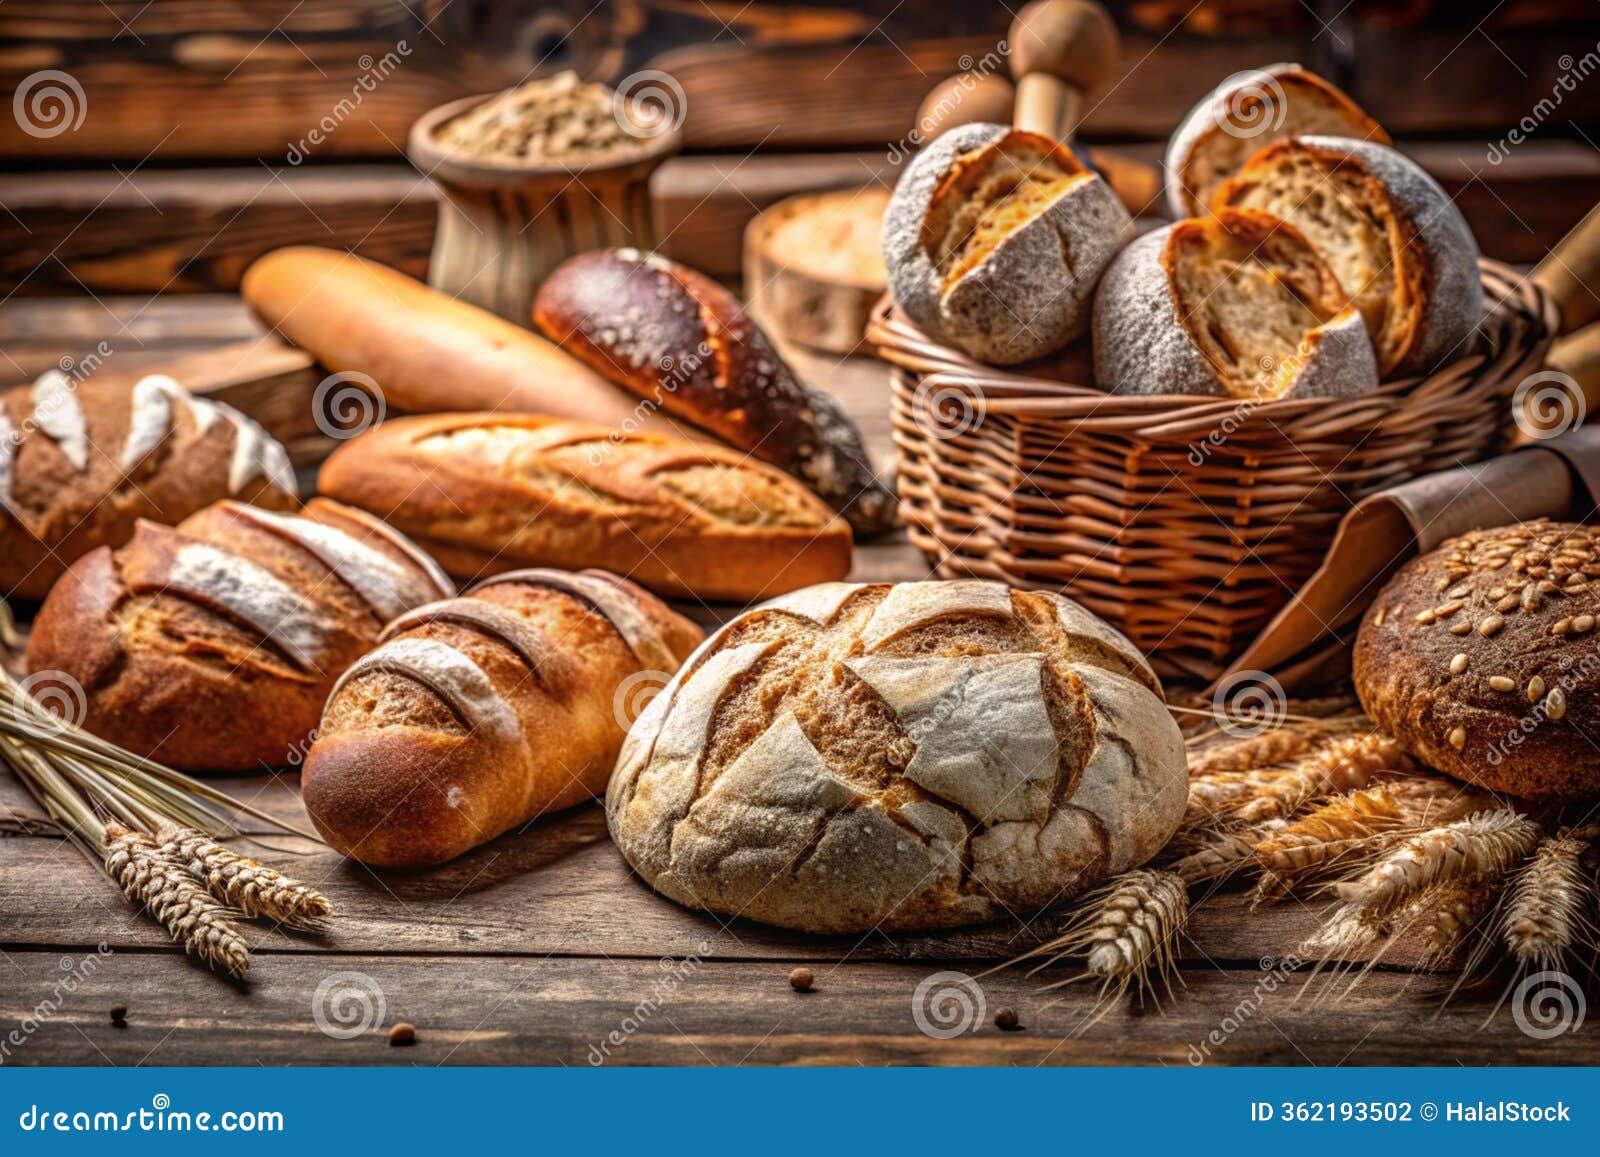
x=212, y=646
x=683, y=343
x=481, y=713
x=895, y=757
x=82, y=462
x=485, y=493
x=1483, y=659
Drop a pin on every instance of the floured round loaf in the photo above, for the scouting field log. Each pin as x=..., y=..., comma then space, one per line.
x=994, y=240
x=1480, y=659
x=1245, y=113
x=1398, y=244
x=1237, y=305
x=899, y=756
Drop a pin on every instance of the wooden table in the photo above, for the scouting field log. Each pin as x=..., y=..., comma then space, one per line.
x=540, y=948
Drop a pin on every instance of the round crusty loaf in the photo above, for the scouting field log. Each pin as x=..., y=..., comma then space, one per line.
x=899, y=756
x=1247, y=112
x=213, y=644
x=1398, y=244
x=994, y=241
x=1480, y=658
x=1235, y=305
x=477, y=714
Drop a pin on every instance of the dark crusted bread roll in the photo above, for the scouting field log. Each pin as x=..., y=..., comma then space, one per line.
x=481, y=713
x=1480, y=658
x=81, y=463
x=685, y=345
x=212, y=645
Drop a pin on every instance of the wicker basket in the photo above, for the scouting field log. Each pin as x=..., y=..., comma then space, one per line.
x=1187, y=522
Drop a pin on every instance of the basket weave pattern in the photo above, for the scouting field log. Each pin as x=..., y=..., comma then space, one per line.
x=1186, y=522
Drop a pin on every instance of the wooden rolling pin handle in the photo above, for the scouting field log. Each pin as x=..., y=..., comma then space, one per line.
x=1059, y=50
x=1571, y=273
x=1578, y=356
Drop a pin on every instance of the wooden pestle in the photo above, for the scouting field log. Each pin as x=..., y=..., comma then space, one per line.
x=1571, y=271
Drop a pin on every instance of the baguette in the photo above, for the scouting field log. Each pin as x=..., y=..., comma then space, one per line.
x=82, y=463
x=486, y=493
x=212, y=646
x=484, y=712
x=685, y=345
x=425, y=350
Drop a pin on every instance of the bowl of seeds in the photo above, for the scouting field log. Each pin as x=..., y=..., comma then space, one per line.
x=532, y=175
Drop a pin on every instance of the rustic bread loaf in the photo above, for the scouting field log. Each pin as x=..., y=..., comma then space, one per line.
x=685, y=345
x=1480, y=658
x=1395, y=240
x=212, y=646
x=994, y=241
x=81, y=463
x=1247, y=112
x=908, y=756
x=481, y=713
x=493, y=492
x=1236, y=305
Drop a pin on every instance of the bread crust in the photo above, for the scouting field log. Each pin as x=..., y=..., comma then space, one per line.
x=1031, y=293
x=1449, y=653
x=1429, y=250
x=1145, y=340
x=481, y=713
x=1250, y=100
x=82, y=463
x=683, y=343
x=211, y=646
x=485, y=493
x=854, y=757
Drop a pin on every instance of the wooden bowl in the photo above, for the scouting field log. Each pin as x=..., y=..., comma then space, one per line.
x=504, y=224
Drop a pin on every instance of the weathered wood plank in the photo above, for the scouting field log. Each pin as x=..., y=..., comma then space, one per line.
x=488, y=1011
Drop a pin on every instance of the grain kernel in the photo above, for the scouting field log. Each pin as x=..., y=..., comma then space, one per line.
x=1490, y=624
x=1535, y=689
x=1583, y=624
x=1509, y=603
x=1555, y=703
x=1458, y=738
x=1501, y=683
x=1459, y=663
x=1464, y=627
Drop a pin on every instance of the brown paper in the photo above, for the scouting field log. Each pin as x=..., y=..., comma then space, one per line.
x=1307, y=643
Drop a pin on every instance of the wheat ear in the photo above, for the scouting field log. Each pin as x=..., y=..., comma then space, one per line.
x=1250, y=752
x=175, y=900
x=1489, y=843
x=1349, y=763
x=1216, y=854
x=1547, y=910
x=251, y=887
x=1345, y=827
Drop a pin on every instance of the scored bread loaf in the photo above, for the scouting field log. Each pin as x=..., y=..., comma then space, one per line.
x=480, y=713
x=1479, y=658
x=81, y=463
x=1399, y=246
x=899, y=756
x=994, y=240
x=494, y=492
x=1247, y=112
x=1235, y=305
x=684, y=344
x=212, y=646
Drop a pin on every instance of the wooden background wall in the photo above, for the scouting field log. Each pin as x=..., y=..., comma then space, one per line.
x=177, y=176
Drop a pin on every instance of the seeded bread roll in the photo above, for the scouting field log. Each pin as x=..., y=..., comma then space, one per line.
x=486, y=493
x=994, y=241
x=903, y=756
x=82, y=463
x=683, y=343
x=1397, y=243
x=1480, y=658
x=212, y=646
x=481, y=713
x=1247, y=112
x=1236, y=305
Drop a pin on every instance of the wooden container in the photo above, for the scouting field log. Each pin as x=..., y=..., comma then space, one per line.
x=504, y=224
x=1186, y=522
